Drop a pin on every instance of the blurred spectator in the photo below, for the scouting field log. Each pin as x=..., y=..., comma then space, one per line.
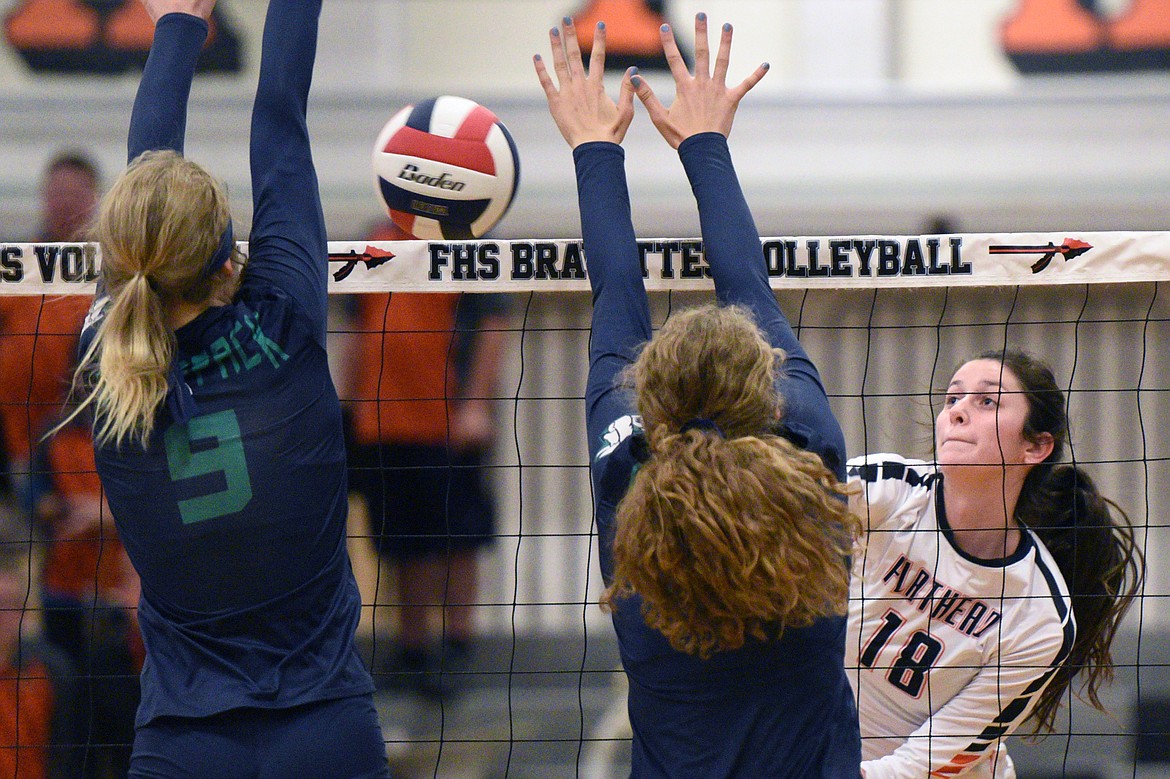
x=70, y=189
x=90, y=592
x=38, y=334
x=89, y=588
x=39, y=710
x=423, y=385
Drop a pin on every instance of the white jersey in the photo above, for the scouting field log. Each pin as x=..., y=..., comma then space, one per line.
x=947, y=653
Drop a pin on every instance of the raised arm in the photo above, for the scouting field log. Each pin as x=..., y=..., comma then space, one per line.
x=697, y=124
x=159, y=118
x=287, y=247
x=594, y=125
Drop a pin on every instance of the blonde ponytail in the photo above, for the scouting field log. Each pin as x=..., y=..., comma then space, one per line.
x=134, y=349
x=158, y=226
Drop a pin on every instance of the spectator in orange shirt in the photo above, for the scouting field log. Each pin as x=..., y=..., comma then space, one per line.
x=89, y=587
x=38, y=334
x=422, y=427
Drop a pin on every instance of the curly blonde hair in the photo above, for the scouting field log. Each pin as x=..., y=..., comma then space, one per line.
x=727, y=531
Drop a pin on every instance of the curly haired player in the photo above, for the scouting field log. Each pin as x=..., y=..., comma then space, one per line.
x=724, y=533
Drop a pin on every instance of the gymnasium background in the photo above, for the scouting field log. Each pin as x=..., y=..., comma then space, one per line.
x=878, y=116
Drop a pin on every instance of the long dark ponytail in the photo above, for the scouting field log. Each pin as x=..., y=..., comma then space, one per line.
x=1088, y=535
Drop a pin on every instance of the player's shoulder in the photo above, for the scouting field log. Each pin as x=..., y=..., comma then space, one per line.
x=626, y=428
x=892, y=488
x=1049, y=589
x=889, y=467
x=621, y=451
x=93, y=318
x=271, y=305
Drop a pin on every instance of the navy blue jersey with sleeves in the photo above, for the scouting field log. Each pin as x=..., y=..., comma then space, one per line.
x=235, y=518
x=771, y=708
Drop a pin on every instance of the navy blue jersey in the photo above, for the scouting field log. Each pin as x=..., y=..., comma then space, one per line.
x=771, y=708
x=234, y=514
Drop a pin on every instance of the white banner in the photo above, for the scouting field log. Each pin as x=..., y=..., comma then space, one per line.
x=976, y=260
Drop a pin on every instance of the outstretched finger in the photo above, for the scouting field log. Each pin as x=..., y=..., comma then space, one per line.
x=546, y=82
x=753, y=78
x=659, y=115
x=560, y=64
x=625, y=104
x=674, y=58
x=702, y=46
x=723, y=58
x=572, y=47
x=597, y=55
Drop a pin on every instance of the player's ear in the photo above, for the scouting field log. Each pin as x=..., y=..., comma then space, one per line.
x=1038, y=448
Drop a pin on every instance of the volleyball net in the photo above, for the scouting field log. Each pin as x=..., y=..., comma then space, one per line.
x=886, y=318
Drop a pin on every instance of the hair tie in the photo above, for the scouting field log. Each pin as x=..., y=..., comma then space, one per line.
x=222, y=253
x=704, y=424
x=149, y=281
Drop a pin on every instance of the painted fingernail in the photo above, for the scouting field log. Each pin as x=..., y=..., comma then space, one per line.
x=766, y=66
x=554, y=32
x=567, y=21
x=665, y=28
x=702, y=17
x=636, y=81
x=601, y=25
x=726, y=27
x=536, y=57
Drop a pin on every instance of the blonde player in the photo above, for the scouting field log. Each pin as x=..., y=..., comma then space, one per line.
x=218, y=434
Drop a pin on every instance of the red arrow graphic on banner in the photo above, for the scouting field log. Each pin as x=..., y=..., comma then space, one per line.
x=1070, y=249
x=372, y=257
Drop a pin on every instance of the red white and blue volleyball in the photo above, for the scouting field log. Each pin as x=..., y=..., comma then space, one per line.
x=446, y=169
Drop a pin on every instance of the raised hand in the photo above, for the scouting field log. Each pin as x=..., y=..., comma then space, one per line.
x=702, y=102
x=160, y=8
x=578, y=103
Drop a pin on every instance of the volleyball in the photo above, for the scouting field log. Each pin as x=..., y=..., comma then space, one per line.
x=446, y=168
